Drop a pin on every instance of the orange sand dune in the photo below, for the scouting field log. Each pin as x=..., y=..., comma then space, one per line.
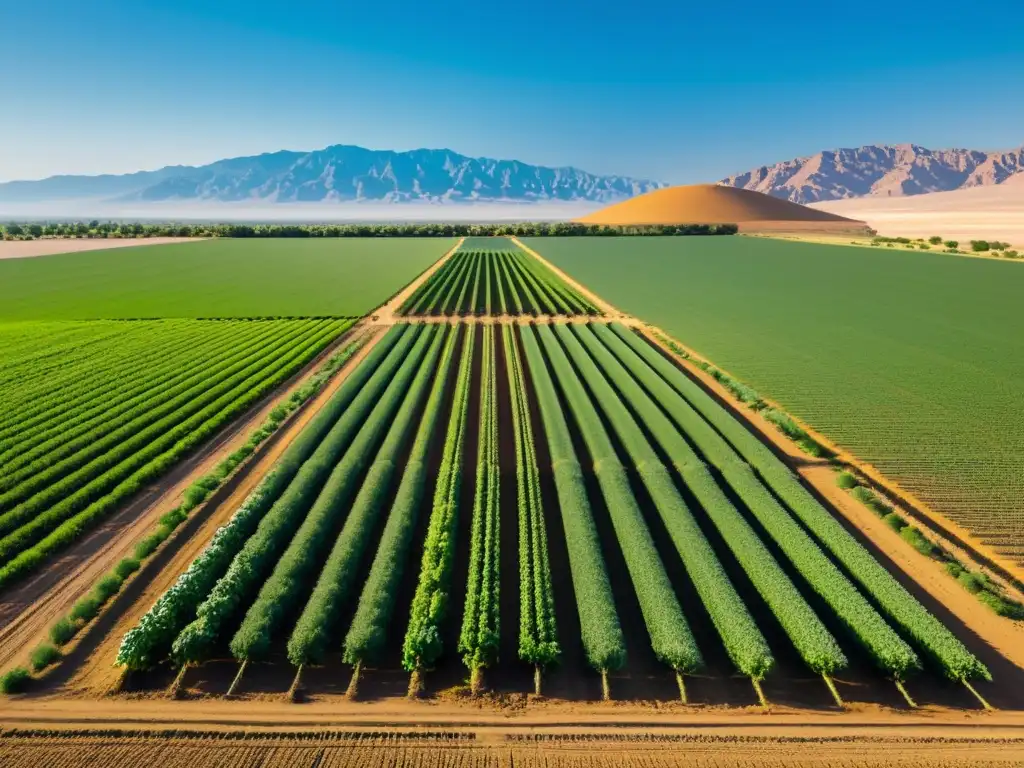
x=714, y=204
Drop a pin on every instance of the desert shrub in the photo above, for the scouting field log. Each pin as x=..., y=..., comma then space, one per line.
x=980, y=246
x=917, y=540
x=107, y=587
x=894, y=521
x=846, y=481
x=952, y=244
x=85, y=609
x=869, y=499
x=785, y=424
x=814, y=448
x=14, y=680
x=1011, y=254
x=998, y=246
x=972, y=582
x=954, y=568
x=43, y=656
x=1011, y=609
x=924, y=247
x=62, y=632
x=127, y=567
x=935, y=240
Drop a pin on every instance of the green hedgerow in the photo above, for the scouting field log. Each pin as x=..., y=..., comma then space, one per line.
x=43, y=656
x=127, y=567
x=14, y=680
x=846, y=481
x=107, y=587
x=972, y=582
x=1011, y=609
x=917, y=540
x=62, y=632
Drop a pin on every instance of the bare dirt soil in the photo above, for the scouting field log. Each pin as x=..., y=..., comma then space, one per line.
x=26, y=249
x=978, y=213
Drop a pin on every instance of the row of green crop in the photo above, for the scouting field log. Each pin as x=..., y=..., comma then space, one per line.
x=151, y=639
x=489, y=282
x=69, y=518
x=538, y=636
x=478, y=640
x=64, y=630
x=897, y=605
x=422, y=645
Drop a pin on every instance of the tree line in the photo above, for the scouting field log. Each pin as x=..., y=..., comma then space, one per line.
x=116, y=230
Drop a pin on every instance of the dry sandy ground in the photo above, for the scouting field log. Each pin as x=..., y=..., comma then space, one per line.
x=980, y=213
x=26, y=249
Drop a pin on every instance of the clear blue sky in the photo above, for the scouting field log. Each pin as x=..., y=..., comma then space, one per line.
x=675, y=91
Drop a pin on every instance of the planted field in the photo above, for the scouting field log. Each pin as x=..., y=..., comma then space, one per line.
x=905, y=359
x=91, y=413
x=287, y=277
x=669, y=542
x=498, y=278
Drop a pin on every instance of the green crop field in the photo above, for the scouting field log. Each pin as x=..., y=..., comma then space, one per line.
x=288, y=277
x=912, y=361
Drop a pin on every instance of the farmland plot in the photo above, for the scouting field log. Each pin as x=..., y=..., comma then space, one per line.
x=92, y=412
x=908, y=360
x=318, y=564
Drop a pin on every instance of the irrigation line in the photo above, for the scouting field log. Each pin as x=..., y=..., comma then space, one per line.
x=835, y=694
x=238, y=680
x=906, y=694
x=978, y=696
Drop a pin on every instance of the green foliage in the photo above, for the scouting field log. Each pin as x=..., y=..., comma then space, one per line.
x=600, y=631
x=422, y=645
x=1010, y=609
x=14, y=681
x=478, y=640
x=62, y=632
x=538, y=635
x=980, y=246
x=86, y=609
x=463, y=285
x=954, y=568
x=917, y=540
x=972, y=582
x=896, y=604
x=840, y=336
x=935, y=240
x=388, y=428
x=671, y=638
x=895, y=521
x=369, y=628
x=147, y=642
x=43, y=656
x=868, y=498
x=253, y=277
x=846, y=481
x=256, y=559
x=952, y=244
x=107, y=587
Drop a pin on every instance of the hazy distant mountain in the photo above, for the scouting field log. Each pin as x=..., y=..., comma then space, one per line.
x=880, y=171
x=340, y=174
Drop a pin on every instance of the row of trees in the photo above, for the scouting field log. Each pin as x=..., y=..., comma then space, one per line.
x=116, y=230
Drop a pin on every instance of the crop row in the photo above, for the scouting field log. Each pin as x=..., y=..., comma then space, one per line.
x=507, y=282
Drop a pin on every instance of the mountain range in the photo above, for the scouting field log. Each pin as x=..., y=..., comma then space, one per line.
x=340, y=174
x=880, y=171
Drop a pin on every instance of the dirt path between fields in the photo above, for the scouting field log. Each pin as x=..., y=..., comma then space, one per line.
x=388, y=314
x=29, y=609
x=28, y=249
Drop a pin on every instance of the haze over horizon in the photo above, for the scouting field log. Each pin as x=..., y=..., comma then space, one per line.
x=704, y=92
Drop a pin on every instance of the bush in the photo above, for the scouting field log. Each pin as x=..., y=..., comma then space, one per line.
x=979, y=246
x=175, y=517
x=127, y=567
x=846, y=481
x=997, y=246
x=917, y=540
x=1011, y=254
x=43, y=656
x=785, y=424
x=85, y=610
x=972, y=582
x=952, y=244
x=14, y=681
x=955, y=569
x=107, y=587
x=62, y=632
x=814, y=448
x=935, y=240
x=894, y=521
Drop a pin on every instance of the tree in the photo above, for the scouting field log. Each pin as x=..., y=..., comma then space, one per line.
x=954, y=244
x=979, y=246
x=934, y=239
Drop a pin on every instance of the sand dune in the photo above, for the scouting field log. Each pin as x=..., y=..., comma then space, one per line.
x=713, y=204
x=978, y=213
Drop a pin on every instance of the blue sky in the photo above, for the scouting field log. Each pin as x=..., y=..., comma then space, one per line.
x=661, y=90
